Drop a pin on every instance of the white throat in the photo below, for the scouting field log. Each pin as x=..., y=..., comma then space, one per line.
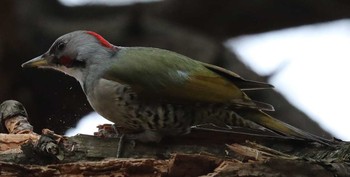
x=77, y=73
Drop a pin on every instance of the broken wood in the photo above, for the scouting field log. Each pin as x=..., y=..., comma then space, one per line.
x=203, y=152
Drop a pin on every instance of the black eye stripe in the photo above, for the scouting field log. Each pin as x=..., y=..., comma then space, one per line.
x=78, y=64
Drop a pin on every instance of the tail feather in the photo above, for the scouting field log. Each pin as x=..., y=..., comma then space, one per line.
x=278, y=126
x=251, y=104
x=264, y=106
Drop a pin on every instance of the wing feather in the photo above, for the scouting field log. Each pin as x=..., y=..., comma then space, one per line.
x=166, y=75
x=243, y=84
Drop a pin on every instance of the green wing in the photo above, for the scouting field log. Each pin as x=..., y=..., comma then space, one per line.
x=167, y=75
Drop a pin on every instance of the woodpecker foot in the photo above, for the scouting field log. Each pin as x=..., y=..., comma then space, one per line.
x=120, y=144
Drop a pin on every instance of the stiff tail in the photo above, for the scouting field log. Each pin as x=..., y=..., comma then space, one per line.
x=278, y=126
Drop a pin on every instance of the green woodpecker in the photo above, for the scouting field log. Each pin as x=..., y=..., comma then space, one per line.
x=150, y=93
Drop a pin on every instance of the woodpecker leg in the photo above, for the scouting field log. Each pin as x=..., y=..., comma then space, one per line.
x=120, y=144
x=121, y=140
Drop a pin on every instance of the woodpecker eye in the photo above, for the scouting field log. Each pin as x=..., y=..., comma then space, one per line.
x=61, y=46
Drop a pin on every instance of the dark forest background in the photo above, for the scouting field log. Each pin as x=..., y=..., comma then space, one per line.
x=195, y=28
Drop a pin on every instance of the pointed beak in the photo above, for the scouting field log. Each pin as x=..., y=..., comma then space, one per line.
x=40, y=61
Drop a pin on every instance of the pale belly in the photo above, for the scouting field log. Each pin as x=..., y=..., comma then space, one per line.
x=119, y=104
x=106, y=99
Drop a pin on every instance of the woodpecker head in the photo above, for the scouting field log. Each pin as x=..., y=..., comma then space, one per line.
x=73, y=52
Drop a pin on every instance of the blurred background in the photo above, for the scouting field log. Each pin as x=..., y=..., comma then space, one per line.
x=300, y=46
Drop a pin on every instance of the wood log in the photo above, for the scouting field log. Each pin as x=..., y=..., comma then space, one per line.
x=205, y=152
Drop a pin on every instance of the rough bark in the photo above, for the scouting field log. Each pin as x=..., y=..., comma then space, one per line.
x=225, y=153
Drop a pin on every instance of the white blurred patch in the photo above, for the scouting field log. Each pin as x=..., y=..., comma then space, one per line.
x=316, y=77
x=88, y=125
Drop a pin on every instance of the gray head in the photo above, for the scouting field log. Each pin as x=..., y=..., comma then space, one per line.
x=72, y=52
